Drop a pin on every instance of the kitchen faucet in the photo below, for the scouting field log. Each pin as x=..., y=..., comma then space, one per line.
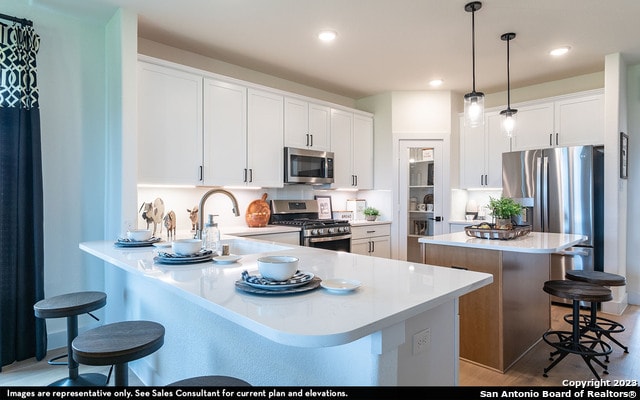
x=203, y=200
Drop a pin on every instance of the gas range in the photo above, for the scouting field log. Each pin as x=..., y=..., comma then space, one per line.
x=314, y=232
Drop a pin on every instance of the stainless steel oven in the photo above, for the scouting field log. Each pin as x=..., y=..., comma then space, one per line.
x=330, y=234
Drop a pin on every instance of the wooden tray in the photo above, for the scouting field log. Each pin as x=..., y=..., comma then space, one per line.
x=499, y=234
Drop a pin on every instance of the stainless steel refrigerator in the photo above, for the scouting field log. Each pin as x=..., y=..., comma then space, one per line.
x=562, y=191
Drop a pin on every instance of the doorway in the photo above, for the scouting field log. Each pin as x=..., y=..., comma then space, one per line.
x=420, y=194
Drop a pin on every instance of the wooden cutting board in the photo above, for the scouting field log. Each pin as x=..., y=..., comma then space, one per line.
x=258, y=213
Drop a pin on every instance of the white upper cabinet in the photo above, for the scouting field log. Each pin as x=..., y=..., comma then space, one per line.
x=534, y=127
x=306, y=124
x=225, y=133
x=580, y=120
x=563, y=121
x=352, y=145
x=362, y=148
x=481, y=151
x=169, y=126
x=265, y=139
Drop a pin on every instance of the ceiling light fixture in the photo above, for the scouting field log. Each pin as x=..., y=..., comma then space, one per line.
x=560, y=51
x=508, y=116
x=436, y=82
x=473, y=101
x=327, y=36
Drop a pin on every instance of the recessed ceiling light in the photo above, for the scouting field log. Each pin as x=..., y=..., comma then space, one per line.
x=327, y=36
x=436, y=82
x=560, y=51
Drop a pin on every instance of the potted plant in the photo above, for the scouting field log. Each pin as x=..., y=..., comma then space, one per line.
x=504, y=210
x=371, y=213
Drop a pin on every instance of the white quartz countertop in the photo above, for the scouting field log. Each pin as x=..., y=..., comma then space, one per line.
x=391, y=291
x=534, y=242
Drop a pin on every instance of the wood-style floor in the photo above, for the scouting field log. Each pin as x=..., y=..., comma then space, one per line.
x=526, y=372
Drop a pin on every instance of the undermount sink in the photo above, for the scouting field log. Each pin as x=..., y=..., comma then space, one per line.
x=243, y=247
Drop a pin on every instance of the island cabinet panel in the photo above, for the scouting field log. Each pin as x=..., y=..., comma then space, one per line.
x=499, y=322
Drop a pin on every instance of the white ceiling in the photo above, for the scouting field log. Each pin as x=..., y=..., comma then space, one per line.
x=386, y=45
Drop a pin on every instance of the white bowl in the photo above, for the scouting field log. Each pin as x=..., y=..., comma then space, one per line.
x=186, y=247
x=139, y=235
x=277, y=268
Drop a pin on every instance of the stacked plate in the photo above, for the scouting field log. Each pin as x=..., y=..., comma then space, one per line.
x=173, y=259
x=300, y=282
x=125, y=242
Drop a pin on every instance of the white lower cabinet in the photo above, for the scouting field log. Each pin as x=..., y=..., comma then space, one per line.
x=371, y=240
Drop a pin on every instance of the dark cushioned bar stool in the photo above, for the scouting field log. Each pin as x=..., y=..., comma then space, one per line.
x=574, y=342
x=210, y=380
x=69, y=306
x=591, y=322
x=118, y=343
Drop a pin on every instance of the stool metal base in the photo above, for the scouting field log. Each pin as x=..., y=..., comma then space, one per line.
x=82, y=380
x=600, y=326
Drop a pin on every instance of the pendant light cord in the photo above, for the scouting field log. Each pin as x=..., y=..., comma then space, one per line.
x=473, y=47
x=508, y=76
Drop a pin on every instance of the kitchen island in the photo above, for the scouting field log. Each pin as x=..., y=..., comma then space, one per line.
x=366, y=337
x=500, y=322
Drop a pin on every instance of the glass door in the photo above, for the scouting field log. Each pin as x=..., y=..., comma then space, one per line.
x=420, y=193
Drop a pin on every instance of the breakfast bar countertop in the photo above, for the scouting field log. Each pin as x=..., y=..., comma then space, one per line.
x=319, y=337
x=534, y=242
x=391, y=291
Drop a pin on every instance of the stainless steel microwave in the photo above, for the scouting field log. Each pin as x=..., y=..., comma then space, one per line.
x=308, y=166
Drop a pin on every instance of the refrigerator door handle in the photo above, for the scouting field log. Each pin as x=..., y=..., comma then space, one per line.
x=538, y=212
x=544, y=194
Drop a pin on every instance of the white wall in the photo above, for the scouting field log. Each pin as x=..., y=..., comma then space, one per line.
x=633, y=188
x=71, y=78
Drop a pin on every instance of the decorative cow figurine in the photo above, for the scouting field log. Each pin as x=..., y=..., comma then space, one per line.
x=170, y=224
x=153, y=213
x=193, y=216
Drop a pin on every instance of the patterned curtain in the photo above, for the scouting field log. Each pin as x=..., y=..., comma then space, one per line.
x=22, y=335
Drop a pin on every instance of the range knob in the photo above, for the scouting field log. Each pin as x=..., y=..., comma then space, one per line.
x=320, y=231
x=332, y=230
x=314, y=232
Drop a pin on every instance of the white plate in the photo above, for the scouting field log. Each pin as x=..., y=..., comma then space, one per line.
x=162, y=244
x=230, y=259
x=340, y=285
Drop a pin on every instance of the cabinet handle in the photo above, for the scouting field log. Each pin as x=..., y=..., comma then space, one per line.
x=250, y=174
x=556, y=138
x=307, y=140
x=244, y=175
x=486, y=180
x=201, y=174
x=356, y=176
x=371, y=231
x=373, y=247
x=551, y=139
x=311, y=139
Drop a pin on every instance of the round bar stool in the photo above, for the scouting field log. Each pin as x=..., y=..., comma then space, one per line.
x=118, y=343
x=591, y=322
x=71, y=305
x=575, y=342
x=210, y=380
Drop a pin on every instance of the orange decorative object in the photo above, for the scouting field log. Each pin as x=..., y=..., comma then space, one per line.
x=258, y=213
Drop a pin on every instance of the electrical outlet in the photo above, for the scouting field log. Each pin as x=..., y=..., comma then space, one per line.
x=421, y=341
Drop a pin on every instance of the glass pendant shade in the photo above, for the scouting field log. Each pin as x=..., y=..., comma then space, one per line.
x=508, y=122
x=473, y=109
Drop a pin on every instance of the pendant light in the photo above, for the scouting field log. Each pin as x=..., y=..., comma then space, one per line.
x=473, y=101
x=508, y=116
